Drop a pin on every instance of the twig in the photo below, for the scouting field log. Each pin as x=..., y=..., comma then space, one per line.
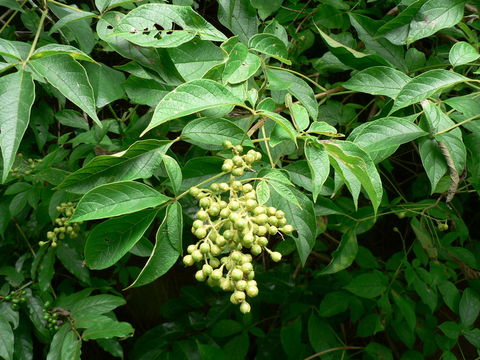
x=332, y=350
x=37, y=35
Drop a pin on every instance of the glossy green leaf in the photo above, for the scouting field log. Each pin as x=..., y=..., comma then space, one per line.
x=348, y=157
x=11, y=4
x=280, y=121
x=71, y=347
x=300, y=116
x=95, y=305
x=55, y=351
x=283, y=80
x=407, y=309
x=102, y=78
x=57, y=49
x=141, y=26
x=6, y=339
x=367, y=29
x=240, y=17
x=139, y=161
x=17, y=93
x=168, y=246
x=473, y=337
x=109, y=241
x=266, y=8
x=174, y=173
x=462, y=53
x=70, y=78
x=401, y=20
x=103, y=5
x=241, y=65
x=453, y=140
x=189, y=98
x=69, y=16
x=116, y=199
x=263, y=192
x=210, y=133
x=344, y=255
x=145, y=91
x=103, y=327
x=14, y=49
x=301, y=218
x=469, y=307
x=385, y=133
x=432, y=160
x=424, y=86
x=317, y=158
x=351, y=57
x=378, y=80
x=270, y=45
x=46, y=269
x=69, y=254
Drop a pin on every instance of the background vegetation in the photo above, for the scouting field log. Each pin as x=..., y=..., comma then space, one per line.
x=365, y=114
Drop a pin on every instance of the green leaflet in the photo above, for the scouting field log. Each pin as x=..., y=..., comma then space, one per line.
x=139, y=161
x=462, y=53
x=168, y=246
x=115, y=199
x=17, y=93
x=210, y=133
x=344, y=255
x=378, y=80
x=424, y=86
x=70, y=78
x=109, y=241
x=189, y=98
x=270, y=45
x=317, y=158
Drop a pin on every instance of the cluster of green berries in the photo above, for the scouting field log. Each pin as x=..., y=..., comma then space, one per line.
x=24, y=167
x=53, y=318
x=231, y=220
x=62, y=227
x=16, y=298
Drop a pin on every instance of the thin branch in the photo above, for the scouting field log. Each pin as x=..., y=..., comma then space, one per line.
x=457, y=125
x=332, y=350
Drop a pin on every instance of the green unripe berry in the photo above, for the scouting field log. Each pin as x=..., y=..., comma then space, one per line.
x=259, y=210
x=239, y=296
x=216, y=274
x=207, y=269
x=249, y=238
x=211, y=282
x=228, y=234
x=272, y=220
x=197, y=256
x=201, y=233
x=200, y=276
x=245, y=307
x=42, y=243
x=262, y=241
x=16, y=306
x=204, y=248
x=239, y=148
x=271, y=211
x=214, y=187
x=251, y=204
x=224, y=213
x=234, y=205
x=279, y=214
x=251, y=195
x=188, y=260
x=261, y=219
x=238, y=172
x=262, y=230
x=287, y=229
x=214, y=262
x=54, y=244
x=276, y=256
x=202, y=215
x=234, y=216
x=272, y=230
x=191, y=248
x=226, y=285
x=247, y=267
x=240, y=223
x=251, y=275
x=236, y=274
x=402, y=214
x=252, y=291
x=282, y=222
x=227, y=166
x=236, y=256
x=50, y=235
x=227, y=144
x=237, y=160
x=256, y=249
x=249, y=159
x=233, y=299
x=241, y=285
x=215, y=250
x=220, y=241
x=224, y=187
x=247, y=188
x=61, y=236
x=237, y=185
x=205, y=202
x=214, y=209
x=194, y=191
x=197, y=224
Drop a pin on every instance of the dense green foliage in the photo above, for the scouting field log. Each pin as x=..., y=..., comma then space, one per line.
x=320, y=159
